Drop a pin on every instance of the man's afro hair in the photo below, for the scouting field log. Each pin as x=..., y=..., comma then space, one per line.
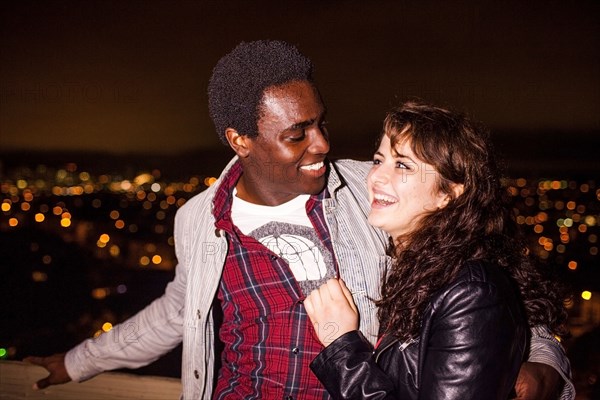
x=239, y=79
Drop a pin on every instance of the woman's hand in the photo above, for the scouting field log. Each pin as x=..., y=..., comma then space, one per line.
x=331, y=311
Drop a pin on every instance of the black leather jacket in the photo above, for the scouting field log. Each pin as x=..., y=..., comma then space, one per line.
x=471, y=345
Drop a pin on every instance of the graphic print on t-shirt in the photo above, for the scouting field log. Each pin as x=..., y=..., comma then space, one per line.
x=308, y=259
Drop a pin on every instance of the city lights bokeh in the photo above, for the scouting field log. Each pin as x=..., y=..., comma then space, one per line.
x=125, y=223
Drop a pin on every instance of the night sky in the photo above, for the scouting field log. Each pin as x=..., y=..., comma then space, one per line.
x=131, y=76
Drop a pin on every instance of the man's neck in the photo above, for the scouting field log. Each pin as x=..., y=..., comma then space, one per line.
x=252, y=196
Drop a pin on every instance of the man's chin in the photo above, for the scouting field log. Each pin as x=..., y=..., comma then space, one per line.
x=318, y=186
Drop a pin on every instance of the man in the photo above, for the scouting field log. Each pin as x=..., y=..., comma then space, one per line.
x=280, y=221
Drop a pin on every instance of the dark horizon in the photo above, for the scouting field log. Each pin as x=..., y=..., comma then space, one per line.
x=528, y=154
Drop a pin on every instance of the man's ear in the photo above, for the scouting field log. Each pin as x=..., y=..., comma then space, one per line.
x=238, y=142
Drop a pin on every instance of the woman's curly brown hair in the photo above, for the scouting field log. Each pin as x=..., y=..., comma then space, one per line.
x=478, y=224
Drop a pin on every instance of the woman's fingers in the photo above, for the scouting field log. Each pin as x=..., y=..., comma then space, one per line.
x=331, y=311
x=348, y=295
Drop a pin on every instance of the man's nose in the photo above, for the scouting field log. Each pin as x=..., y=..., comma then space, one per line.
x=319, y=141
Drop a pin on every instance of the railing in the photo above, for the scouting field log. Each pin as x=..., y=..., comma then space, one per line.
x=17, y=379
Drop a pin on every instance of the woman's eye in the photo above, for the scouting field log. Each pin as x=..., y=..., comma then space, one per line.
x=400, y=164
x=376, y=162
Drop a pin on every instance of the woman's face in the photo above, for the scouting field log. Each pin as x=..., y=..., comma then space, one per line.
x=401, y=188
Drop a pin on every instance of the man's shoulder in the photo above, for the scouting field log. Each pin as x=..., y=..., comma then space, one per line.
x=198, y=204
x=202, y=202
x=350, y=165
x=351, y=171
x=350, y=177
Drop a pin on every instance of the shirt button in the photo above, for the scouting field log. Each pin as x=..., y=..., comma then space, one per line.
x=196, y=374
x=273, y=257
x=198, y=314
x=295, y=350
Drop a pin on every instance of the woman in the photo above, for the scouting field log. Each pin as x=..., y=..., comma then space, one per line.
x=452, y=317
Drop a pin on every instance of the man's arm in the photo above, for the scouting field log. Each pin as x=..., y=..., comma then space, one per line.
x=538, y=381
x=136, y=342
x=547, y=373
x=141, y=339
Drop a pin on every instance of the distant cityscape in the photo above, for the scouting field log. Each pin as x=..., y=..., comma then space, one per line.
x=82, y=248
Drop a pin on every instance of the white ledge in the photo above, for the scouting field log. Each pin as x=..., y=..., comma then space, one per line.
x=17, y=379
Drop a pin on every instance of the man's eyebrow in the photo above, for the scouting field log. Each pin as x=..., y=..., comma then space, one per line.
x=301, y=125
x=309, y=122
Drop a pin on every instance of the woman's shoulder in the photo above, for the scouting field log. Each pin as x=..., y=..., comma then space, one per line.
x=480, y=271
x=477, y=280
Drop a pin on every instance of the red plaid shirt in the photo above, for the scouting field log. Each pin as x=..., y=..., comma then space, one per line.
x=269, y=340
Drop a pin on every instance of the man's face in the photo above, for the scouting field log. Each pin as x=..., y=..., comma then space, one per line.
x=287, y=158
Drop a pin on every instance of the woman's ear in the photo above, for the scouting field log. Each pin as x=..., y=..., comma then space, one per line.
x=457, y=189
x=238, y=142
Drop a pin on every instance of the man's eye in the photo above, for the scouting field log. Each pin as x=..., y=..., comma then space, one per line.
x=323, y=128
x=376, y=162
x=296, y=138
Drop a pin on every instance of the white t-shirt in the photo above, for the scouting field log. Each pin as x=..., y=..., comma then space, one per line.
x=287, y=231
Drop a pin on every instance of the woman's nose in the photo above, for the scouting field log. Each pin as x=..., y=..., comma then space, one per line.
x=378, y=174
